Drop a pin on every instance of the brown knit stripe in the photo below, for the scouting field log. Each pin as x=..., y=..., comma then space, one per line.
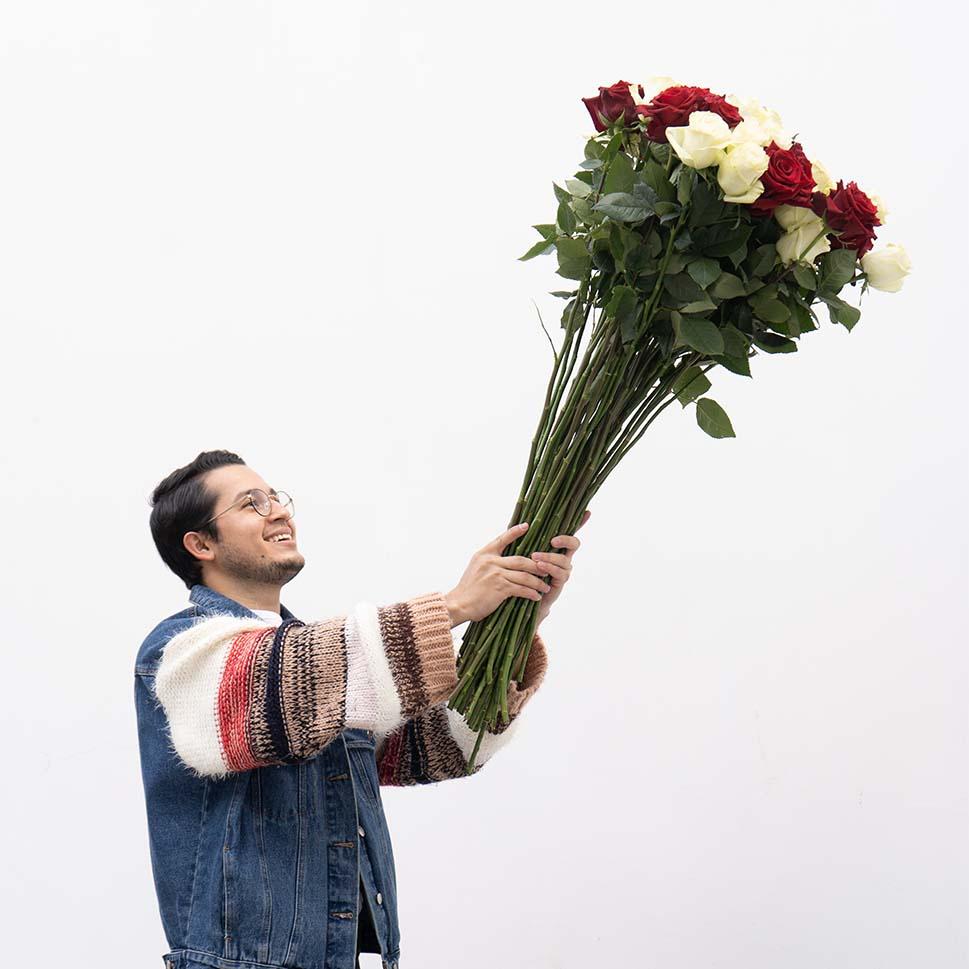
x=260, y=739
x=431, y=625
x=313, y=676
x=442, y=753
x=535, y=667
x=401, y=648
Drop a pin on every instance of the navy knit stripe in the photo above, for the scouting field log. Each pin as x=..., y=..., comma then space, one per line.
x=282, y=750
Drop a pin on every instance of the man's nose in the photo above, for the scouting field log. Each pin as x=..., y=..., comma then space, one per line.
x=278, y=510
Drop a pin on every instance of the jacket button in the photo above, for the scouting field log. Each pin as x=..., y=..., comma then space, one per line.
x=380, y=899
x=361, y=832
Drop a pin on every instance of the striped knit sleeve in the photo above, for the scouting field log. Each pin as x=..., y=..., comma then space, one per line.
x=437, y=744
x=239, y=694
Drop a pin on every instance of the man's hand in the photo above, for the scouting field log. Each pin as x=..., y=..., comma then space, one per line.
x=491, y=577
x=558, y=566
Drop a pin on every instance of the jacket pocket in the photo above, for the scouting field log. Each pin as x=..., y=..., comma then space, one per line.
x=363, y=763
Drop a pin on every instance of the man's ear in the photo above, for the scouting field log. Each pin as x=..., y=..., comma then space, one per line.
x=198, y=545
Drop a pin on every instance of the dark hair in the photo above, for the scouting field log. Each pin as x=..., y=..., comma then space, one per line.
x=179, y=503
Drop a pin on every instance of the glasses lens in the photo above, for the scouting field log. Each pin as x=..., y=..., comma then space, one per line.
x=286, y=501
x=260, y=501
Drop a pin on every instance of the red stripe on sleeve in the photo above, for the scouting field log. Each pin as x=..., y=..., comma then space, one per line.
x=234, y=700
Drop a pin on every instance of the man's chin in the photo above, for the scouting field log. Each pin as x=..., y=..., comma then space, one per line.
x=291, y=567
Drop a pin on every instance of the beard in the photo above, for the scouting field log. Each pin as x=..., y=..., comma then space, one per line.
x=272, y=570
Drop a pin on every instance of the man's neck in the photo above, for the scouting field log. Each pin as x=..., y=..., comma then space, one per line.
x=250, y=594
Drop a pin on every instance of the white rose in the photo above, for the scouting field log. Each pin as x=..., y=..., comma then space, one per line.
x=740, y=170
x=880, y=206
x=792, y=243
x=823, y=182
x=651, y=86
x=760, y=125
x=794, y=216
x=886, y=267
x=700, y=143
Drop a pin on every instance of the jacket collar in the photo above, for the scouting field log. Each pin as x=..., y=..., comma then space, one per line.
x=210, y=601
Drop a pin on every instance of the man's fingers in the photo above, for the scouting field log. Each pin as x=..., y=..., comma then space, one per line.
x=527, y=579
x=522, y=562
x=506, y=538
x=553, y=558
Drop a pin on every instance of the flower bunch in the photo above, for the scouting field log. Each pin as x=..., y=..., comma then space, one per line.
x=697, y=232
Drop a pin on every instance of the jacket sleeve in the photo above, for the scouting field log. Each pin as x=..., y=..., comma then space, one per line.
x=239, y=694
x=436, y=744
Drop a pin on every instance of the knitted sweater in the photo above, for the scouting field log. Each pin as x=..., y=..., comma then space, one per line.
x=240, y=693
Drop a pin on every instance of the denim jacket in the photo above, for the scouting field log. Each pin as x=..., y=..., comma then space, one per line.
x=263, y=868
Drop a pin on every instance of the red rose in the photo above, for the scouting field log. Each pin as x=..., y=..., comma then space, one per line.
x=787, y=181
x=673, y=107
x=850, y=213
x=613, y=102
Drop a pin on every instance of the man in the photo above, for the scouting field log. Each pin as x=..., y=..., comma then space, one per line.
x=264, y=740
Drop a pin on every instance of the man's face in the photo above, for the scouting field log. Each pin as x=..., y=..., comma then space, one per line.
x=245, y=549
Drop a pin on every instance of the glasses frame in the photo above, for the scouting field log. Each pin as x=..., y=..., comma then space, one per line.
x=248, y=495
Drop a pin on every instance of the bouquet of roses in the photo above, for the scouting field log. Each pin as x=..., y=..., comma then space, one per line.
x=696, y=233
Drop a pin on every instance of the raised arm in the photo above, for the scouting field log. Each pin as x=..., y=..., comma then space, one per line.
x=239, y=694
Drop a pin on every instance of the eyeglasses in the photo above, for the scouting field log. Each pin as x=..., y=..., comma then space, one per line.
x=260, y=501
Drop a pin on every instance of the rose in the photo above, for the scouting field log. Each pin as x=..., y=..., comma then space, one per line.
x=740, y=170
x=880, y=207
x=760, y=125
x=613, y=102
x=850, y=213
x=887, y=267
x=787, y=181
x=700, y=143
x=652, y=86
x=822, y=180
x=802, y=227
x=673, y=107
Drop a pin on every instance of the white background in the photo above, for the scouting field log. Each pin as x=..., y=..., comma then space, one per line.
x=291, y=230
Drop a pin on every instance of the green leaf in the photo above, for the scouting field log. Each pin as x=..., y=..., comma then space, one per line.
x=593, y=149
x=591, y=164
x=703, y=270
x=699, y=306
x=682, y=288
x=840, y=311
x=548, y=230
x=619, y=178
x=721, y=240
x=837, y=268
x=737, y=365
x=623, y=207
x=762, y=259
x=713, y=419
x=706, y=208
x=728, y=286
x=539, y=249
x=684, y=186
x=805, y=276
x=690, y=384
x=701, y=335
x=578, y=189
x=848, y=316
x=573, y=256
x=611, y=150
x=566, y=218
x=772, y=343
x=654, y=175
x=583, y=211
x=560, y=193
x=624, y=309
x=769, y=309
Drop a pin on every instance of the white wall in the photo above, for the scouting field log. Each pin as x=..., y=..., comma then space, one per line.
x=750, y=750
